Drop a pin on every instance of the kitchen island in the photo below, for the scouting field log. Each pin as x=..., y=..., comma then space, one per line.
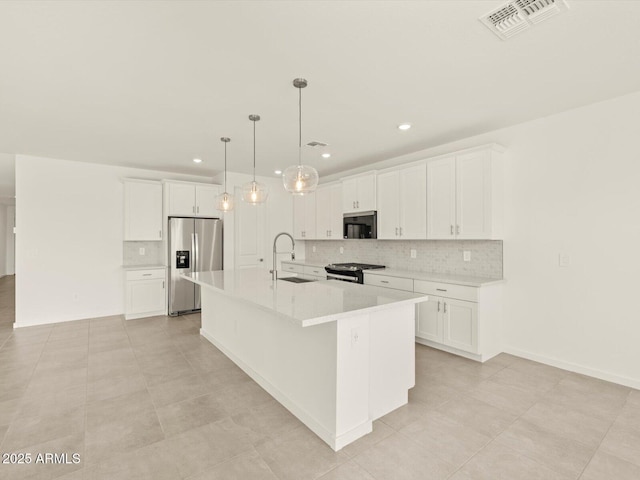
x=337, y=355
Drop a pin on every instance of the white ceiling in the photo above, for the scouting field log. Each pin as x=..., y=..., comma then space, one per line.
x=154, y=84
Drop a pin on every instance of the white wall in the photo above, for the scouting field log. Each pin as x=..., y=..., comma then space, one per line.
x=3, y=240
x=69, y=238
x=10, y=241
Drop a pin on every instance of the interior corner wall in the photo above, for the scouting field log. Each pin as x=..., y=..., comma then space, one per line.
x=69, y=238
x=4, y=270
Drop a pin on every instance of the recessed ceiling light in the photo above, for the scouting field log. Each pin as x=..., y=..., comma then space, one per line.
x=326, y=155
x=278, y=172
x=197, y=160
x=404, y=126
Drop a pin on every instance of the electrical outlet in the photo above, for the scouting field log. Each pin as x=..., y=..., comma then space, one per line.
x=141, y=251
x=564, y=260
x=466, y=255
x=414, y=253
x=355, y=336
x=341, y=250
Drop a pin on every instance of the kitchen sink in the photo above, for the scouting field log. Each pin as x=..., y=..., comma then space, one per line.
x=296, y=280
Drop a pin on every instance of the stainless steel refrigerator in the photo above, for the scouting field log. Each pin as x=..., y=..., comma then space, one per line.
x=195, y=245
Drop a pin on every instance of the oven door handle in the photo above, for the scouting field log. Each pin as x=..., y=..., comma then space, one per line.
x=342, y=277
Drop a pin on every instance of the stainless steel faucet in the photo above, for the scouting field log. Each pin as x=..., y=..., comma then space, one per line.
x=274, y=271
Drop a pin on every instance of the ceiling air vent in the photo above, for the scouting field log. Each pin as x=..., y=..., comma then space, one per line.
x=317, y=144
x=519, y=15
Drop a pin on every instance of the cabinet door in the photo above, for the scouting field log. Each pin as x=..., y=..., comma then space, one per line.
x=413, y=203
x=429, y=319
x=182, y=199
x=349, y=195
x=441, y=198
x=299, y=205
x=206, y=201
x=335, y=220
x=323, y=211
x=142, y=211
x=310, y=216
x=366, y=199
x=473, y=195
x=461, y=324
x=388, y=206
x=145, y=296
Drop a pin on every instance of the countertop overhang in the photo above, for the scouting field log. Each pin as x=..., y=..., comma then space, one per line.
x=306, y=304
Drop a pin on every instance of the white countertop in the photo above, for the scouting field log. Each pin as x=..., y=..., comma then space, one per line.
x=143, y=267
x=466, y=280
x=306, y=304
x=304, y=263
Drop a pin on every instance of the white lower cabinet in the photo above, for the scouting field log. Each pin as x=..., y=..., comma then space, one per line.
x=450, y=322
x=145, y=293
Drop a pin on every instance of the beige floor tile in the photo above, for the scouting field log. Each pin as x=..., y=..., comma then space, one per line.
x=112, y=438
x=560, y=454
x=247, y=466
x=270, y=419
x=498, y=462
x=478, y=415
x=114, y=386
x=209, y=359
x=623, y=441
x=32, y=430
x=165, y=370
x=509, y=397
x=529, y=381
x=195, y=412
x=299, y=455
x=347, y=471
x=225, y=377
x=432, y=394
x=449, y=440
x=243, y=397
x=634, y=398
x=41, y=402
x=399, y=458
x=380, y=432
x=568, y=422
x=199, y=449
x=114, y=408
x=608, y=467
x=177, y=390
x=8, y=410
x=406, y=415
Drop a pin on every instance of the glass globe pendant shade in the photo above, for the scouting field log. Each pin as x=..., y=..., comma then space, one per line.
x=224, y=202
x=300, y=179
x=254, y=192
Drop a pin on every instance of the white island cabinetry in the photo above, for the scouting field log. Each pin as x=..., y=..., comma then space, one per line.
x=337, y=355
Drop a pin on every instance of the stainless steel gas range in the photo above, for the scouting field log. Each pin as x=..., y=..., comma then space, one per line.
x=349, y=272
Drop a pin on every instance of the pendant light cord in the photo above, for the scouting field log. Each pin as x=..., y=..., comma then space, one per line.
x=300, y=126
x=254, y=150
x=225, y=166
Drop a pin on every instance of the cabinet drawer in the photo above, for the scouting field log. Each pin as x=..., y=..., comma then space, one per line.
x=145, y=274
x=448, y=290
x=315, y=271
x=290, y=267
x=389, y=282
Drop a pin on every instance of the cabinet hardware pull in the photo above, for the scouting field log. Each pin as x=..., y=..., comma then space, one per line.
x=198, y=209
x=451, y=229
x=163, y=284
x=445, y=307
x=441, y=289
x=146, y=274
x=396, y=231
x=160, y=233
x=354, y=204
x=357, y=203
x=384, y=281
x=458, y=229
x=438, y=305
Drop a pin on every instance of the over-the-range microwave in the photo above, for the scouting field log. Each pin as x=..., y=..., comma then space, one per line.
x=360, y=225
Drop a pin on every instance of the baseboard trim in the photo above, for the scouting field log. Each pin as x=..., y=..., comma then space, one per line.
x=574, y=367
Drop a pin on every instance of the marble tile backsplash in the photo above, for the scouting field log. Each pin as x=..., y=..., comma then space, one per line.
x=438, y=256
x=152, y=254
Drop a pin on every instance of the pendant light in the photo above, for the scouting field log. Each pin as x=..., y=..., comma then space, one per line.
x=254, y=192
x=300, y=179
x=224, y=201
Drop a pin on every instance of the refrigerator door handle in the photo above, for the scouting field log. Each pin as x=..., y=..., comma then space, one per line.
x=195, y=252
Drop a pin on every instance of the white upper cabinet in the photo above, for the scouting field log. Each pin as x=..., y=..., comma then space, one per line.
x=359, y=193
x=304, y=217
x=142, y=210
x=329, y=212
x=402, y=203
x=192, y=199
x=464, y=196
